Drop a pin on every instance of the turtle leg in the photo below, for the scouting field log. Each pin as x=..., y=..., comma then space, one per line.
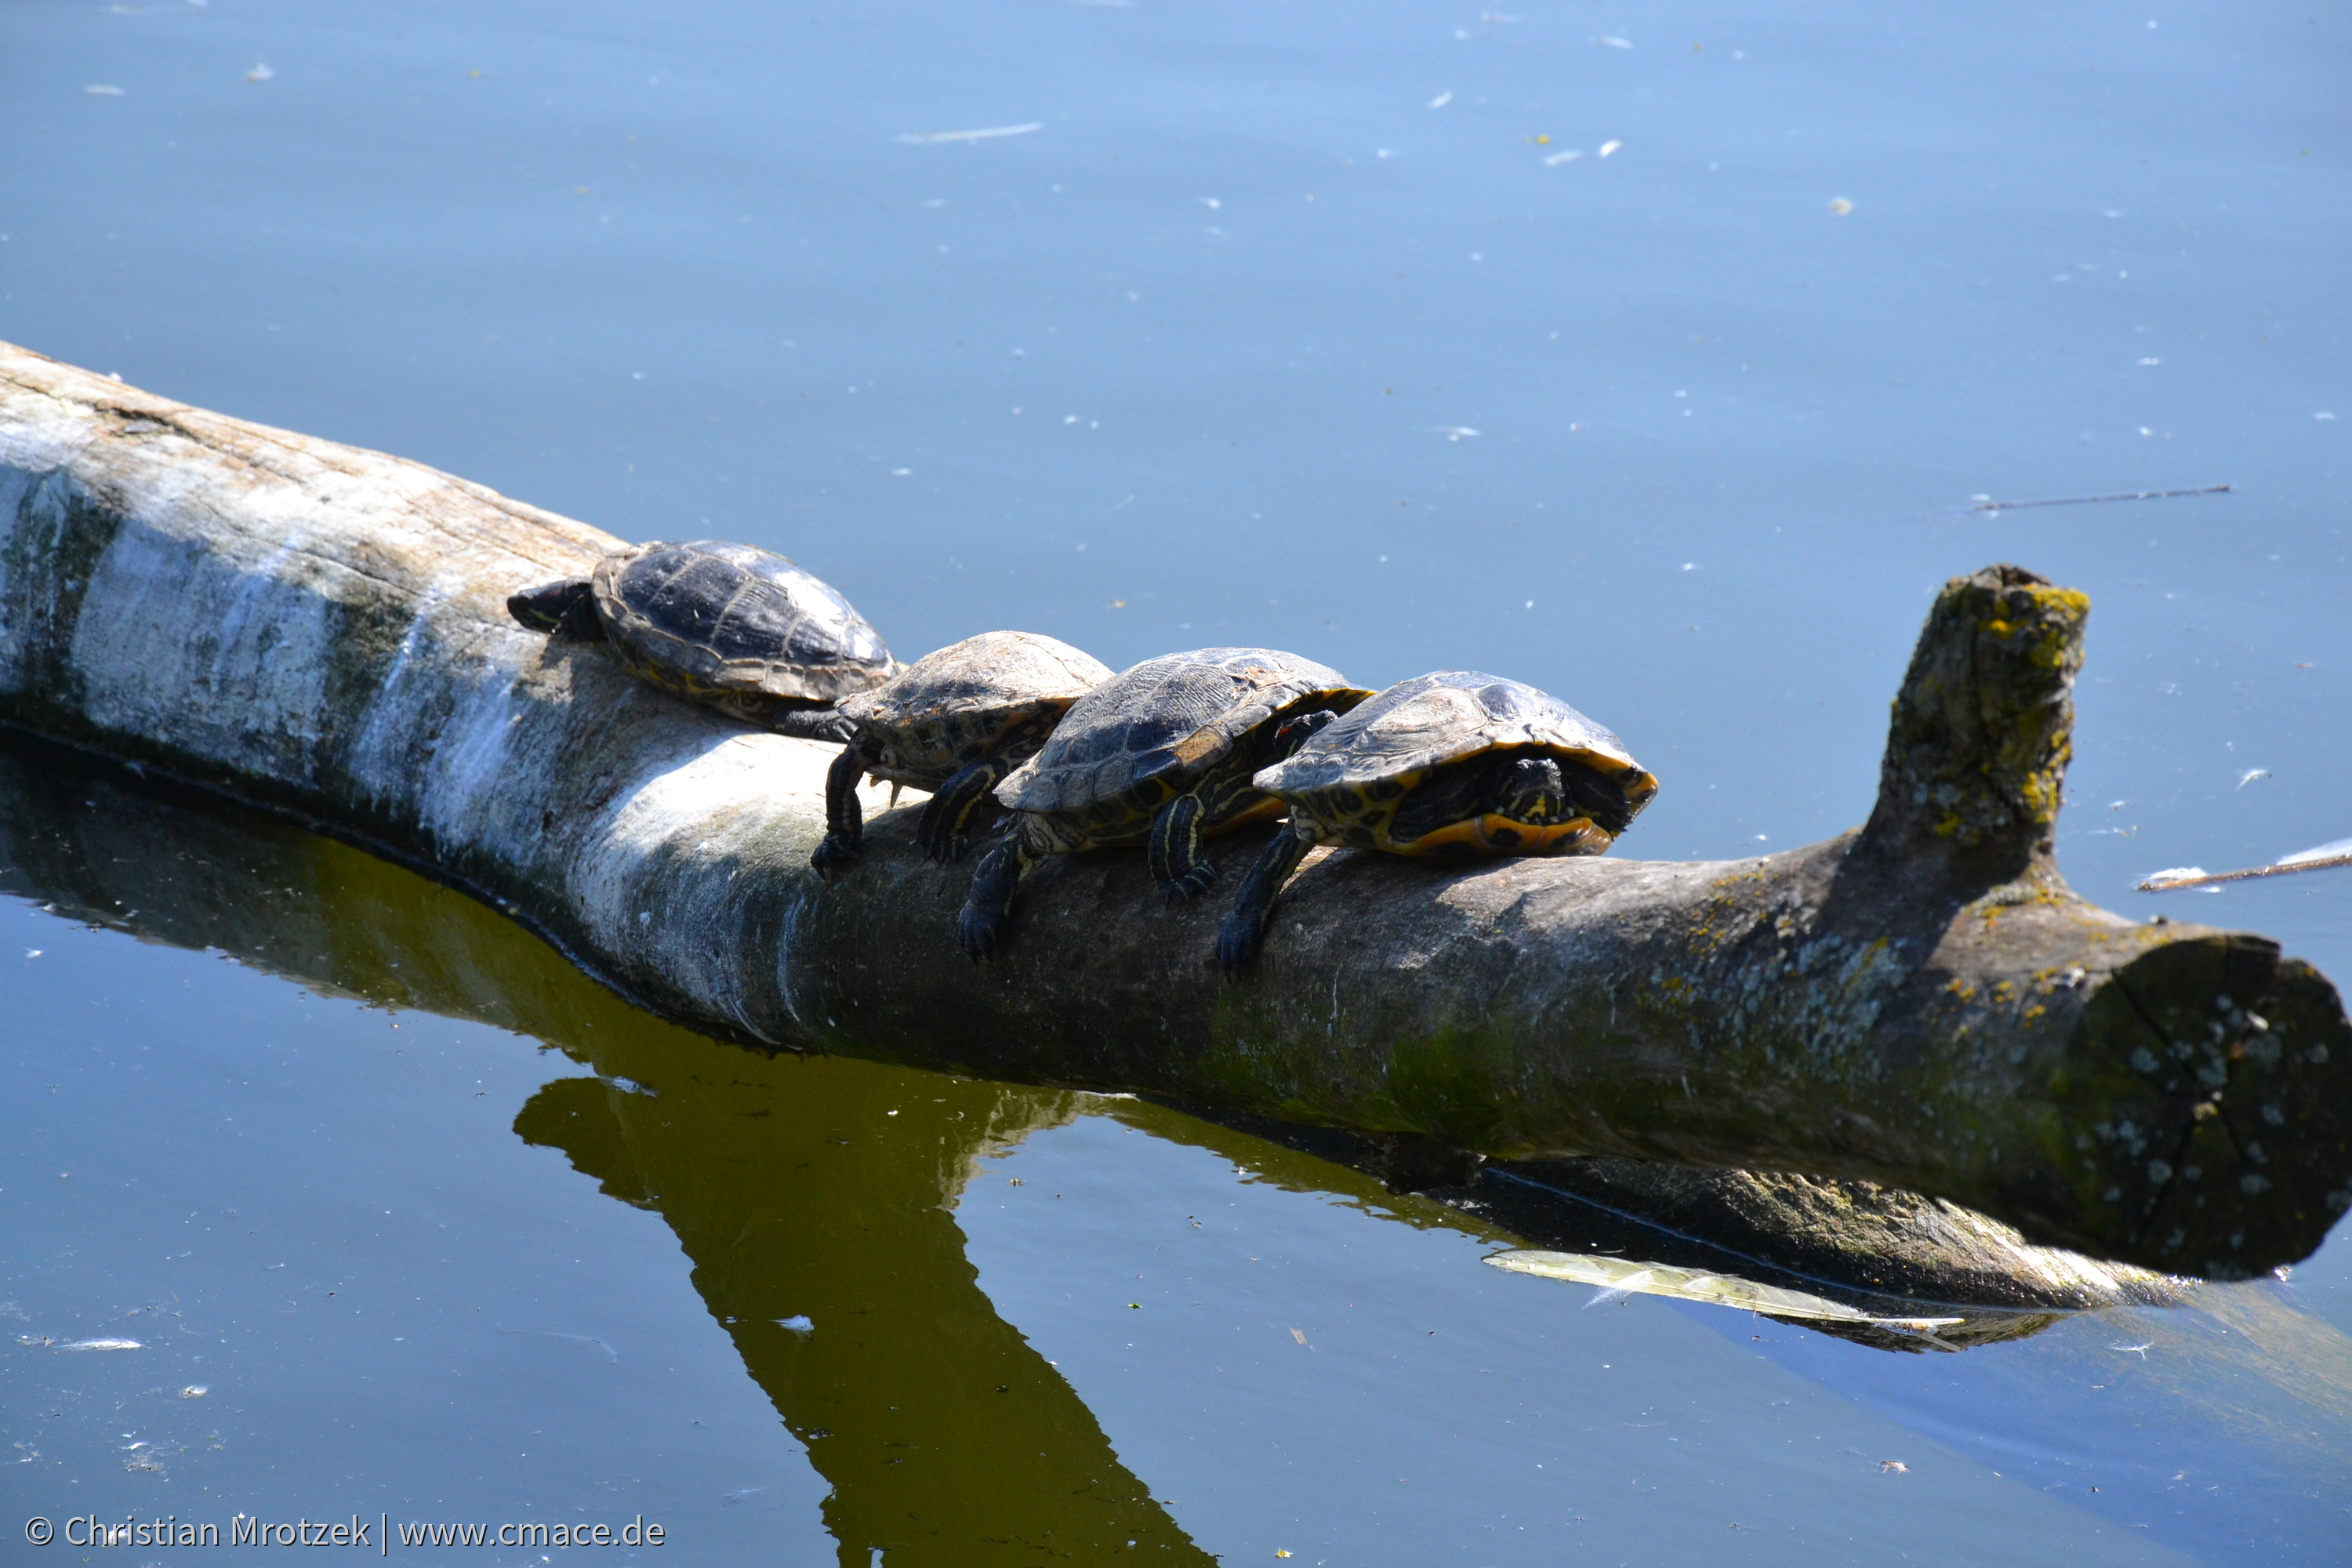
x=563, y=608
x=1244, y=932
x=1174, y=850
x=941, y=831
x=982, y=920
x=845, y=820
x=812, y=724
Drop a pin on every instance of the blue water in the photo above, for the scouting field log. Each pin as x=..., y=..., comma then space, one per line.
x=1288, y=324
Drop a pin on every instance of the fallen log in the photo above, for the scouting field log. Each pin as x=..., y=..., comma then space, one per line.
x=1921, y=1003
x=94, y=841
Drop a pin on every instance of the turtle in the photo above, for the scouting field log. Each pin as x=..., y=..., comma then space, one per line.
x=1453, y=763
x=737, y=626
x=953, y=722
x=1160, y=755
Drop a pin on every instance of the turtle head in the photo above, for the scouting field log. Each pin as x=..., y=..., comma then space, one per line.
x=1294, y=732
x=1531, y=790
x=562, y=608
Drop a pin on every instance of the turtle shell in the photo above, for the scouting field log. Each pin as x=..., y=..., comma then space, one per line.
x=1146, y=735
x=718, y=620
x=953, y=707
x=1349, y=777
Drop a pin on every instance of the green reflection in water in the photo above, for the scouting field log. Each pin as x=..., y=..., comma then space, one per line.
x=799, y=1187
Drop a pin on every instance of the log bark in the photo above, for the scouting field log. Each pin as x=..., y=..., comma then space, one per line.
x=94, y=841
x=1922, y=1003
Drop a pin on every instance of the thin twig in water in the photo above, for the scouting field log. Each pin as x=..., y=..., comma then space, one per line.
x=2085, y=500
x=2162, y=883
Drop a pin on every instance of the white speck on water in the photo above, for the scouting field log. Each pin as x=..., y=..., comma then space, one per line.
x=1609, y=147
x=100, y=90
x=1211, y=203
x=900, y=473
x=2322, y=414
x=2251, y=774
x=923, y=138
x=1607, y=41
x=259, y=73
x=799, y=1325
x=32, y=953
x=1442, y=99
x=1840, y=207
x=1570, y=156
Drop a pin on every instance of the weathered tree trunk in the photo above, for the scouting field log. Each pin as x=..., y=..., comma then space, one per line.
x=91, y=840
x=1922, y=1003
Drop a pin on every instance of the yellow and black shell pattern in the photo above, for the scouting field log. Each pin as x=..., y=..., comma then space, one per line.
x=719, y=621
x=1353, y=778
x=1154, y=730
x=952, y=707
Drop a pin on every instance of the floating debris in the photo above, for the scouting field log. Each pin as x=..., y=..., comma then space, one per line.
x=925, y=138
x=800, y=1323
x=102, y=1345
x=2251, y=774
x=1607, y=41
x=1442, y=99
x=195, y=1391
x=2085, y=500
x=2318, y=857
x=259, y=73
x=1840, y=207
x=1893, y=1467
x=100, y=90
x=1619, y=1276
x=1610, y=147
x=1570, y=156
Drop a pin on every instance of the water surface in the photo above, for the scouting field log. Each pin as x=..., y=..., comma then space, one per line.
x=1291, y=324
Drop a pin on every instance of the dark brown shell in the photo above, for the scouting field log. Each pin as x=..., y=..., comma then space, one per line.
x=714, y=619
x=1166, y=720
x=1353, y=769
x=954, y=706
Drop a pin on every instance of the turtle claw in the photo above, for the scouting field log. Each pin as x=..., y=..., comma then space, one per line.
x=1198, y=879
x=976, y=934
x=1237, y=944
x=832, y=855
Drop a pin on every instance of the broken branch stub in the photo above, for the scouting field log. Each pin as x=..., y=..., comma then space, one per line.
x=1982, y=730
x=323, y=630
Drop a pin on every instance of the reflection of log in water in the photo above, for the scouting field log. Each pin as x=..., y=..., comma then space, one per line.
x=945, y=1438
x=100, y=842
